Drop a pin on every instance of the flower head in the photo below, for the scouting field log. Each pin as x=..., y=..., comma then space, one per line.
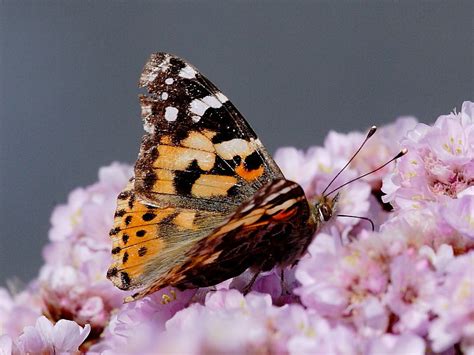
x=453, y=303
x=73, y=281
x=439, y=164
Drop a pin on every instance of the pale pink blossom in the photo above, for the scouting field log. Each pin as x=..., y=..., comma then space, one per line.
x=73, y=281
x=137, y=324
x=305, y=332
x=380, y=148
x=296, y=165
x=6, y=345
x=340, y=282
x=389, y=344
x=423, y=227
x=410, y=293
x=405, y=289
x=453, y=305
x=439, y=164
x=45, y=338
x=459, y=215
x=18, y=310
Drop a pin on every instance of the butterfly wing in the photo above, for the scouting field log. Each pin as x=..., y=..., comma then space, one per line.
x=147, y=241
x=274, y=227
x=198, y=162
x=199, y=152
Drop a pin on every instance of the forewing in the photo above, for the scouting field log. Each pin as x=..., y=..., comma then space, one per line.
x=274, y=227
x=199, y=151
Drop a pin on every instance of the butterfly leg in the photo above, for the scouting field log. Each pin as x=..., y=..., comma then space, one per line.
x=284, y=287
x=248, y=287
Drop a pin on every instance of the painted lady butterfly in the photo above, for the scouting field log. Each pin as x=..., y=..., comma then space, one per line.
x=207, y=200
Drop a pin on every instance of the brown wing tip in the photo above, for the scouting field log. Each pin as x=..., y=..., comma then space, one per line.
x=156, y=64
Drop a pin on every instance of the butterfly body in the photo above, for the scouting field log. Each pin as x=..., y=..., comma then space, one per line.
x=207, y=201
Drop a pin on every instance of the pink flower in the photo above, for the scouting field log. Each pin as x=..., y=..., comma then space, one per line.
x=459, y=214
x=46, y=338
x=439, y=259
x=227, y=323
x=389, y=344
x=343, y=283
x=296, y=165
x=315, y=168
x=454, y=306
x=380, y=148
x=353, y=292
x=88, y=211
x=323, y=283
x=18, y=310
x=137, y=324
x=6, y=345
x=299, y=331
x=439, y=164
x=73, y=281
x=409, y=295
x=423, y=227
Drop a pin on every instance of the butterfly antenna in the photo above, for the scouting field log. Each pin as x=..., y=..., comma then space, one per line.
x=359, y=217
x=369, y=134
x=399, y=155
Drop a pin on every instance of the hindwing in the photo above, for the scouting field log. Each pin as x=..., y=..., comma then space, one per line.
x=274, y=227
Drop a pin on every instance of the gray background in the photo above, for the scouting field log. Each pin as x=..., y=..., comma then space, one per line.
x=68, y=74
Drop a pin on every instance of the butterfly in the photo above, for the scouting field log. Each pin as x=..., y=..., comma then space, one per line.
x=207, y=201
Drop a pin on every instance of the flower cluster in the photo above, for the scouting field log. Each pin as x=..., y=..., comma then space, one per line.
x=407, y=287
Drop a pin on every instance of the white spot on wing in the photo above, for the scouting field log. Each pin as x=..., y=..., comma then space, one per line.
x=198, y=107
x=171, y=113
x=149, y=127
x=221, y=97
x=196, y=118
x=212, y=101
x=236, y=146
x=169, y=81
x=187, y=72
x=164, y=96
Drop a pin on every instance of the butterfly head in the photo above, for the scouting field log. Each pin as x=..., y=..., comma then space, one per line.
x=325, y=207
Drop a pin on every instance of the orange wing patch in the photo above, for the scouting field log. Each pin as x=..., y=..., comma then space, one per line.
x=249, y=175
x=135, y=237
x=194, y=166
x=148, y=241
x=179, y=158
x=212, y=185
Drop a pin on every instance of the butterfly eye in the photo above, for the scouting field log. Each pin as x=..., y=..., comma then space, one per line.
x=326, y=212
